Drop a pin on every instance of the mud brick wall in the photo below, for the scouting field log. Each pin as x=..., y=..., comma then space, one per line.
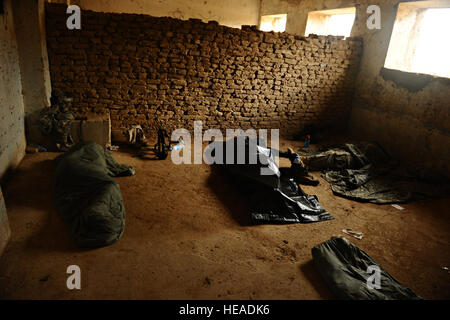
x=143, y=69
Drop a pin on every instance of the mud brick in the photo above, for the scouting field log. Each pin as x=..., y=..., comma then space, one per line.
x=137, y=67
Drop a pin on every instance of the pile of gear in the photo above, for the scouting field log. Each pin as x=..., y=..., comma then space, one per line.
x=366, y=172
x=56, y=121
x=275, y=197
x=161, y=149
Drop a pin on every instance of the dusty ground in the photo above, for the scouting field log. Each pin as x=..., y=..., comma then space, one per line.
x=187, y=237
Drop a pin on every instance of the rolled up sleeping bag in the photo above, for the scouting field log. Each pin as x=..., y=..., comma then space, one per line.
x=88, y=198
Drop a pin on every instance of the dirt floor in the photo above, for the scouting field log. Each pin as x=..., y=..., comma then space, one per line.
x=188, y=236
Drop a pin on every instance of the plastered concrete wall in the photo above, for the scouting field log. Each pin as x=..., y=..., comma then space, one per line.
x=407, y=113
x=29, y=22
x=143, y=69
x=231, y=13
x=12, y=128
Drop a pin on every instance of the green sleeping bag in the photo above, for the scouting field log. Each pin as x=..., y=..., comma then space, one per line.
x=344, y=267
x=87, y=196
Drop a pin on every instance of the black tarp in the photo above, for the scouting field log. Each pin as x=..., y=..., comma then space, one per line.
x=274, y=197
x=365, y=172
x=87, y=196
x=345, y=269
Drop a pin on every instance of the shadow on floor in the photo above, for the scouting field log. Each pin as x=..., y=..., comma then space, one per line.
x=32, y=187
x=228, y=190
x=143, y=153
x=310, y=272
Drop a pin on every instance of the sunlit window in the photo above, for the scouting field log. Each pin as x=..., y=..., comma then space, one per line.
x=276, y=22
x=337, y=22
x=419, y=41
